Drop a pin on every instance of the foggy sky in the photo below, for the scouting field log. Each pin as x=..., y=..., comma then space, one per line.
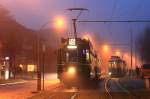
x=34, y=13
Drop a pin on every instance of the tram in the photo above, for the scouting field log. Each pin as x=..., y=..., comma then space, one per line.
x=117, y=67
x=76, y=61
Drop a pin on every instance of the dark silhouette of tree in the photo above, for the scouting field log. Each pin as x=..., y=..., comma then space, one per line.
x=144, y=45
x=16, y=41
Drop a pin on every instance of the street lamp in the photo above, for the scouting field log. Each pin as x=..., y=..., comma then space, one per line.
x=7, y=68
x=105, y=48
x=118, y=53
x=7, y=58
x=59, y=24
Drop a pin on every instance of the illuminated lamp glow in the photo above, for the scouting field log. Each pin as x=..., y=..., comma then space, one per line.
x=71, y=70
x=7, y=58
x=71, y=47
x=60, y=22
x=91, y=74
x=118, y=53
x=21, y=66
x=86, y=38
x=6, y=75
x=109, y=73
x=105, y=47
x=31, y=68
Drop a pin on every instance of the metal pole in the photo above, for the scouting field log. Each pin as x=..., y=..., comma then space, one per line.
x=135, y=54
x=43, y=59
x=74, y=27
x=131, y=41
x=38, y=64
x=38, y=59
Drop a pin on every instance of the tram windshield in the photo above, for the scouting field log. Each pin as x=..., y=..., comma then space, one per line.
x=71, y=56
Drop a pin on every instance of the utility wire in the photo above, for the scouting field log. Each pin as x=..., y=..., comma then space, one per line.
x=112, y=14
x=114, y=9
x=115, y=21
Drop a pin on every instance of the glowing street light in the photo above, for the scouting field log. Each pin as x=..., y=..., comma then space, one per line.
x=71, y=70
x=118, y=53
x=87, y=37
x=7, y=68
x=6, y=58
x=106, y=48
x=60, y=23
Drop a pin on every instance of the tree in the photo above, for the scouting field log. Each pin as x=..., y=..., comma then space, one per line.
x=144, y=45
x=16, y=41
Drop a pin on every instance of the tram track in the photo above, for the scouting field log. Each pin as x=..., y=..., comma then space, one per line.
x=58, y=92
x=107, y=88
x=126, y=89
x=119, y=86
x=75, y=94
x=52, y=94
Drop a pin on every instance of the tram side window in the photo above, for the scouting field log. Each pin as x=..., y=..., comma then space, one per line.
x=87, y=55
x=84, y=56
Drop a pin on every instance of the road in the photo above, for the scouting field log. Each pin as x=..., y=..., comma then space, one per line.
x=104, y=89
x=55, y=90
x=23, y=90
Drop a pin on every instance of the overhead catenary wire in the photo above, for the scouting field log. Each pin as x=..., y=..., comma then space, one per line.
x=115, y=21
x=112, y=14
x=114, y=9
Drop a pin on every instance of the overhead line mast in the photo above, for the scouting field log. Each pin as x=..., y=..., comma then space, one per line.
x=76, y=18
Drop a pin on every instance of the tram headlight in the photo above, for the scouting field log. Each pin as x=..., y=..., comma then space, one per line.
x=72, y=47
x=109, y=73
x=71, y=70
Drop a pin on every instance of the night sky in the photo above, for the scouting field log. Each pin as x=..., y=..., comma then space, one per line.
x=34, y=13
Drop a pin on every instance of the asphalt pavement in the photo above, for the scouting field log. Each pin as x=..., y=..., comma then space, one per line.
x=98, y=90
x=118, y=89
x=23, y=90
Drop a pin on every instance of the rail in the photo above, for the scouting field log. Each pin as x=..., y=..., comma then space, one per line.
x=125, y=89
x=51, y=95
x=75, y=94
x=107, y=88
x=119, y=86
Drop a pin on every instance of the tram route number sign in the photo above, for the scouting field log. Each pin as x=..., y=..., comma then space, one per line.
x=72, y=42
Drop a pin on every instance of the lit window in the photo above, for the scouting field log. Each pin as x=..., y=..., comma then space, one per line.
x=84, y=52
x=31, y=68
x=87, y=55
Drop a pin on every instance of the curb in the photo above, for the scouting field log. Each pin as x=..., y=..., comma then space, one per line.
x=13, y=83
